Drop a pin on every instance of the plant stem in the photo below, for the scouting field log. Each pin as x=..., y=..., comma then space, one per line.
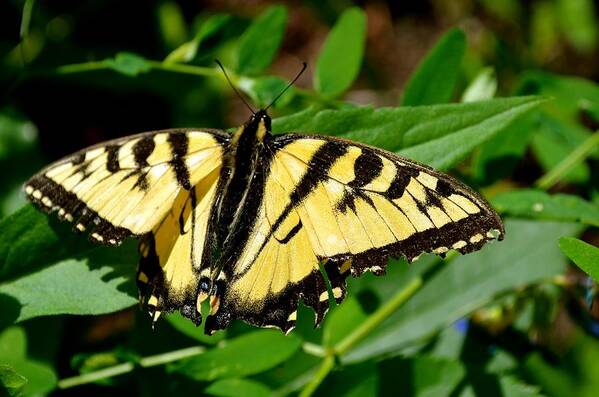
x=379, y=316
x=577, y=156
x=373, y=321
x=327, y=365
x=124, y=368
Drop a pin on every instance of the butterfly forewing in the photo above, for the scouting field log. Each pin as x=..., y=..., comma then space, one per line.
x=126, y=187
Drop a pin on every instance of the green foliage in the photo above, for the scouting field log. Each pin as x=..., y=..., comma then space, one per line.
x=259, y=43
x=237, y=358
x=540, y=205
x=584, y=255
x=439, y=135
x=340, y=58
x=435, y=79
x=481, y=324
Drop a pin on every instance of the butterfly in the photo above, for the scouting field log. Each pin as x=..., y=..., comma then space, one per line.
x=245, y=219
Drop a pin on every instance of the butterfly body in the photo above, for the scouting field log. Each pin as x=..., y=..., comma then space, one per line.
x=245, y=219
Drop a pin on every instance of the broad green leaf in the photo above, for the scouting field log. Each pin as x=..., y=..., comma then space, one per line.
x=499, y=156
x=186, y=327
x=435, y=79
x=128, y=64
x=46, y=269
x=340, y=58
x=11, y=383
x=439, y=135
x=188, y=51
x=578, y=23
x=584, y=255
x=530, y=203
x=238, y=357
x=237, y=388
x=528, y=254
x=13, y=353
x=483, y=87
x=342, y=321
x=261, y=41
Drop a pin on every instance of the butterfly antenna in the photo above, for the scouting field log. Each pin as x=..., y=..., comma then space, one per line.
x=304, y=66
x=220, y=65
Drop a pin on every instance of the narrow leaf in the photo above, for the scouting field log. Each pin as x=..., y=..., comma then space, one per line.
x=439, y=135
x=584, y=255
x=530, y=203
x=435, y=79
x=261, y=41
x=238, y=357
x=340, y=58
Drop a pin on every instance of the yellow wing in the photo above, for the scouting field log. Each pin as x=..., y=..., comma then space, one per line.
x=176, y=253
x=127, y=186
x=351, y=207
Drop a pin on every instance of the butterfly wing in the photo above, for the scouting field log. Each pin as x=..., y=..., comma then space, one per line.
x=126, y=186
x=176, y=253
x=351, y=207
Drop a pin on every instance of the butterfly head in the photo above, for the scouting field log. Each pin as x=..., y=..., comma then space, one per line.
x=260, y=122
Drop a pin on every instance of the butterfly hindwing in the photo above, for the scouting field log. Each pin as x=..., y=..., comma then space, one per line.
x=176, y=253
x=349, y=207
x=126, y=186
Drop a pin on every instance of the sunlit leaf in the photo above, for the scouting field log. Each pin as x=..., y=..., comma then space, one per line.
x=584, y=255
x=530, y=203
x=238, y=357
x=11, y=383
x=261, y=41
x=439, y=135
x=340, y=58
x=435, y=79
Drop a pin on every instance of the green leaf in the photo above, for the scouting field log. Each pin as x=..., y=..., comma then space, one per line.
x=237, y=388
x=578, y=23
x=354, y=381
x=499, y=156
x=188, y=51
x=528, y=254
x=531, y=203
x=11, y=383
x=171, y=23
x=46, y=269
x=342, y=321
x=487, y=384
x=261, y=41
x=238, y=357
x=584, y=255
x=435, y=79
x=340, y=58
x=128, y=64
x=424, y=375
x=483, y=87
x=13, y=352
x=439, y=135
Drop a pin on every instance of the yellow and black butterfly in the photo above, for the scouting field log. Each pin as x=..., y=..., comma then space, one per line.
x=244, y=219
